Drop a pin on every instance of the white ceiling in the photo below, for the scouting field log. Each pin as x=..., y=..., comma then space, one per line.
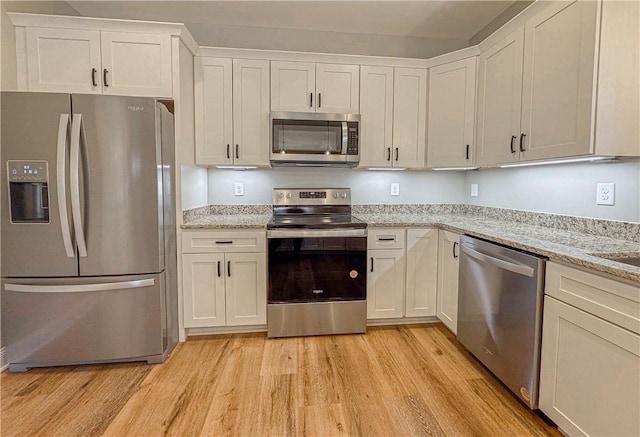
x=423, y=19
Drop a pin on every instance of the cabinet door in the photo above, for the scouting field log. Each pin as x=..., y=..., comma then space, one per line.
x=385, y=284
x=293, y=86
x=558, y=82
x=213, y=113
x=251, y=111
x=338, y=88
x=499, y=100
x=246, y=288
x=589, y=373
x=203, y=289
x=136, y=64
x=452, y=106
x=376, y=112
x=63, y=60
x=409, y=117
x=422, y=272
x=448, y=260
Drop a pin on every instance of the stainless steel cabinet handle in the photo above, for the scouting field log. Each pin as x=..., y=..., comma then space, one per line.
x=93, y=77
x=372, y=264
x=74, y=179
x=455, y=244
x=511, y=146
x=522, y=149
x=501, y=264
x=219, y=273
x=28, y=288
x=229, y=268
x=61, y=169
x=397, y=154
x=104, y=77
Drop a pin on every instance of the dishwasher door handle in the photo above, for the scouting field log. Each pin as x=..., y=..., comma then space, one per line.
x=504, y=265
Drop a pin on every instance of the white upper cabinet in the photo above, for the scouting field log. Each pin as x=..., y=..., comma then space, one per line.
x=136, y=64
x=393, y=110
x=565, y=84
x=63, y=60
x=232, y=111
x=499, y=100
x=451, y=115
x=95, y=62
x=311, y=87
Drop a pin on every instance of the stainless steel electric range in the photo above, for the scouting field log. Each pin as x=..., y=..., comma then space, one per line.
x=317, y=264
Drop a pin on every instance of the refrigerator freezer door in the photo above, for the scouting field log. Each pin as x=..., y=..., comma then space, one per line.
x=83, y=320
x=34, y=128
x=120, y=185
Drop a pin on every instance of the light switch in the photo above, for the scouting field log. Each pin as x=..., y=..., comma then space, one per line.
x=395, y=189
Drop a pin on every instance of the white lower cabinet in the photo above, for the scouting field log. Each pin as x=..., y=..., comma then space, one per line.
x=225, y=284
x=590, y=364
x=448, y=261
x=422, y=272
x=402, y=278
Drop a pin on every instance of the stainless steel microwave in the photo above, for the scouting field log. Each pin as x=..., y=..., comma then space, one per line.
x=310, y=139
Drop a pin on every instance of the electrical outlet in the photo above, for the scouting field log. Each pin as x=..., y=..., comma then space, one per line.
x=395, y=189
x=239, y=189
x=606, y=193
x=474, y=190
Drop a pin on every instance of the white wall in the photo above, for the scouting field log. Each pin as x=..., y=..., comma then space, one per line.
x=194, y=186
x=216, y=35
x=366, y=186
x=560, y=189
x=8, y=75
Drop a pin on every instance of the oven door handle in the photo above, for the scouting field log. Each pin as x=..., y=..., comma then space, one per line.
x=316, y=233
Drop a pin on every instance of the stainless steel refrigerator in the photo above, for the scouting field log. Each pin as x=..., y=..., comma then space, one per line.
x=88, y=229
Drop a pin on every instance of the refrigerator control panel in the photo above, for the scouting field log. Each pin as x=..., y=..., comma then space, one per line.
x=27, y=171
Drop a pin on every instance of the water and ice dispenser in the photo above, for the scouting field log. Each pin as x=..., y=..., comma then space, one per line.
x=28, y=191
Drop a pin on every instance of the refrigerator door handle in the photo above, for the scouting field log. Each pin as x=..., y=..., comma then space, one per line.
x=61, y=169
x=76, y=131
x=27, y=288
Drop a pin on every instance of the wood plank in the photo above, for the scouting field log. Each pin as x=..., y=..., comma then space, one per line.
x=398, y=380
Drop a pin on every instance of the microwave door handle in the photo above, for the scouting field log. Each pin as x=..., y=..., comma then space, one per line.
x=61, y=169
x=345, y=138
x=76, y=132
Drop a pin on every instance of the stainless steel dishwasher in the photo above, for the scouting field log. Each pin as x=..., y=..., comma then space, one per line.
x=500, y=312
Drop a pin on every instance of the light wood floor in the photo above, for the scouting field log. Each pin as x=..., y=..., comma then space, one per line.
x=400, y=380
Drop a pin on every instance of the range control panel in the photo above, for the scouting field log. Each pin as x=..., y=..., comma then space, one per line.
x=311, y=196
x=27, y=171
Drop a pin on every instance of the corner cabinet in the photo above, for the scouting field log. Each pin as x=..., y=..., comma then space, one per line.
x=393, y=106
x=590, y=361
x=311, y=87
x=451, y=114
x=232, y=111
x=448, y=262
x=94, y=62
x=224, y=278
x=548, y=89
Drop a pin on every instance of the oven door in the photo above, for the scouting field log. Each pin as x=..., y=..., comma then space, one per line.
x=317, y=265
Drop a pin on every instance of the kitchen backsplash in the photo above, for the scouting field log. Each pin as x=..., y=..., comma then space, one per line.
x=610, y=228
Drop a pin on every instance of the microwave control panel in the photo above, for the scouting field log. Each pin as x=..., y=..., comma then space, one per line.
x=352, y=143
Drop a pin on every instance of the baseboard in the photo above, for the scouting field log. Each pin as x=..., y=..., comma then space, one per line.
x=225, y=330
x=3, y=359
x=402, y=321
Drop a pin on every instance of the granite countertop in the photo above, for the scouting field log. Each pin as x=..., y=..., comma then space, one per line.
x=558, y=245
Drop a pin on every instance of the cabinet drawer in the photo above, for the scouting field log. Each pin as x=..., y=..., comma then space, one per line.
x=615, y=301
x=385, y=238
x=223, y=241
